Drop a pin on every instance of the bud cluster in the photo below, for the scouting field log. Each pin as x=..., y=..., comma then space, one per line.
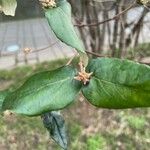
x=48, y=3
x=144, y=2
x=27, y=50
x=83, y=76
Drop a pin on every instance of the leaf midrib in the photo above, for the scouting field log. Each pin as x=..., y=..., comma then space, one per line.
x=41, y=88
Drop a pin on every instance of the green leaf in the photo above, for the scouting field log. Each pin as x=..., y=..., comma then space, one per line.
x=55, y=125
x=43, y=92
x=3, y=94
x=59, y=19
x=8, y=6
x=118, y=84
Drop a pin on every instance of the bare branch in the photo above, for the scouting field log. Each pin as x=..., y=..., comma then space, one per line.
x=96, y=54
x=107, y=20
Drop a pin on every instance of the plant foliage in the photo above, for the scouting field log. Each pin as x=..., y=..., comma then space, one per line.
x=114, y=84
x=43, y=92
x=55, y=125
x=118, y=84
x=59, y=19
x=3, y=95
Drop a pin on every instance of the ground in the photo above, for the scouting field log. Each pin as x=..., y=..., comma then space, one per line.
x=89, y=128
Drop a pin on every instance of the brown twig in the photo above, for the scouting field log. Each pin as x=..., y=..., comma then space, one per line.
x=44, y=48
x=32, y=51
x=96, y=54
x=145, y=63
x=71, y=59
x=107, y=20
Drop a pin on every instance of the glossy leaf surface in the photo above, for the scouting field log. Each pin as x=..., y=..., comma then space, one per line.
x=55, y=124
x=118, y=84
x=46, y=91
x=59, y=19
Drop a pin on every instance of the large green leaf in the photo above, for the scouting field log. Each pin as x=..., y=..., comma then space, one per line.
x=8, y=6
x=59, y=19
x=46, y=91
x=118, y=84
x=55, y=124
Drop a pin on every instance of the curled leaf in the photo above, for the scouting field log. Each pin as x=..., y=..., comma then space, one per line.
x=55, y=124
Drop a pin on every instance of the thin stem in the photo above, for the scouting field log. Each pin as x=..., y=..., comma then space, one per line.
x=96, y=54
x=32, y=51
x=71, y=59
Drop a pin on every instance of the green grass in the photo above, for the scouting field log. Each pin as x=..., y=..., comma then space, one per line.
x=137, y=123
x=88, y=128
x=96, y=142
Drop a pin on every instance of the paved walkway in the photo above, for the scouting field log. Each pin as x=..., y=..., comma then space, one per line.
x=34, y=34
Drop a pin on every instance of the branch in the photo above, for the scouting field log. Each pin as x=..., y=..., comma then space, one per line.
x=96, y=54
x=107, y=20
x=32, y=51
x=44, y=48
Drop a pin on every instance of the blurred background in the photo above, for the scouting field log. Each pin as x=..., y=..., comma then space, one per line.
x=125, y=36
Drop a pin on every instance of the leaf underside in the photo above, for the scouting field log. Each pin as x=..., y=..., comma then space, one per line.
x=55, y=125
x=43, y=92
x=118, y=84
